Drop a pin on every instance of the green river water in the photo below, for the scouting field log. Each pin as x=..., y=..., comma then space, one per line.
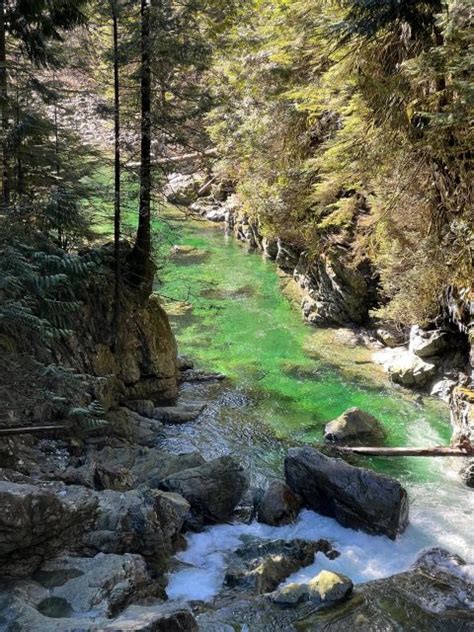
x=229, y=314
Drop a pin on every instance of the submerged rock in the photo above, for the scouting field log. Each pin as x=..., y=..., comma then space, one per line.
x=261, y=566
x=279, y=505
x=325, y=589
x=354, y=424
x=179, y=414
x=356, y=497
x=213, y=489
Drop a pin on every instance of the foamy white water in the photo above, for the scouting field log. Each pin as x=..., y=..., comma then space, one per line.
x=441, y=514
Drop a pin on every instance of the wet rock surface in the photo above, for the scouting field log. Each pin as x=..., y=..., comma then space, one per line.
x=213, y=489
x=356, y=497
x=354, y=425
x=259, y=567
x=37, y=522
x=279, y=505
x=323, y=590
x=436, y=595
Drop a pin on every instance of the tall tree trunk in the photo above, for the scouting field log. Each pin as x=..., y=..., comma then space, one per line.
x=4, y=108
x=117, y=170
x=141, y=256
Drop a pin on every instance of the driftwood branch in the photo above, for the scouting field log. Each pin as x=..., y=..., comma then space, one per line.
x=434, y=451
x=5, y=432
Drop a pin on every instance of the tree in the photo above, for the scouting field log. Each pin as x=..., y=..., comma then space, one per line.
x=142, y=271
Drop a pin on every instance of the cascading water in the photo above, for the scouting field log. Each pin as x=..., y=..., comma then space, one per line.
x=286, y=381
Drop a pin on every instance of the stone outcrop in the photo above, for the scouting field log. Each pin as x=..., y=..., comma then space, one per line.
x=37, y=522
x=426, y=344
x=146, y=522
x=143, y=363
x=89, y=595
x=213, y=489
x=279, y=505
x=352, y=426
x=356, y=497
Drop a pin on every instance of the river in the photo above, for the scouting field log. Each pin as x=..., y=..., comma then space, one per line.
x=286, y=381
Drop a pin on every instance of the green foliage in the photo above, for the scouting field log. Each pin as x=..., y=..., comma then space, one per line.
x=351, y=120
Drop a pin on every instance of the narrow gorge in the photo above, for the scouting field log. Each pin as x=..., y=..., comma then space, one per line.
x=236, y=316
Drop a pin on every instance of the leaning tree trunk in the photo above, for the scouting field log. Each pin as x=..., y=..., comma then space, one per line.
x=4, y=108
x=142, y=269
x=117, y=169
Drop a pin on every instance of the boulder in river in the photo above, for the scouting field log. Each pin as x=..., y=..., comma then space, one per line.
x=279, y=505
x=179, y=414
x=354, y=424
x=213, y=489
x=356, y=497
x=326, y=589
x=261, y=566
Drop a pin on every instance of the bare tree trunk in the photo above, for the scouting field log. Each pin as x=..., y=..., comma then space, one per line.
x=4, y=108
x=117, y=171
x=435, y=451
x=141, y=255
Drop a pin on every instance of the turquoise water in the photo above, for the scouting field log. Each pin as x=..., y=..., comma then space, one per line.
x=229, y=314
x=286, y=380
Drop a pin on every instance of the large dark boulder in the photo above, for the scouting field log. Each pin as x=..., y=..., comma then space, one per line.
x=354, y=496
x=213, y=490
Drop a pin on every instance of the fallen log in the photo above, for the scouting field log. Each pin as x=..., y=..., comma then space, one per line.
x=434, y=451
x=18, y=430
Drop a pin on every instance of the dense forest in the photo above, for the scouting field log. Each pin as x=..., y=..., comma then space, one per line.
x=333, y=139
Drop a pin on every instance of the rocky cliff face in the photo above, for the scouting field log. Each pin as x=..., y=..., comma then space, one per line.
x=142, y=362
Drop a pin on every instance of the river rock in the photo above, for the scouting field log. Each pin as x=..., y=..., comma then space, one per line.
x=182, y=188
x=279, y=505
x=354, y=425
x=270, y=247
x=405, y=368
x=143, y=522
x=162, y=618
x=356, y=497
x=430, y=599
x=261, y=566
x=87, y=595
x=443, y=389
x=143, y=407
x=179, y=414
x=213, y=490
x=39, y=522
x=426, y=344
x=325, y=589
